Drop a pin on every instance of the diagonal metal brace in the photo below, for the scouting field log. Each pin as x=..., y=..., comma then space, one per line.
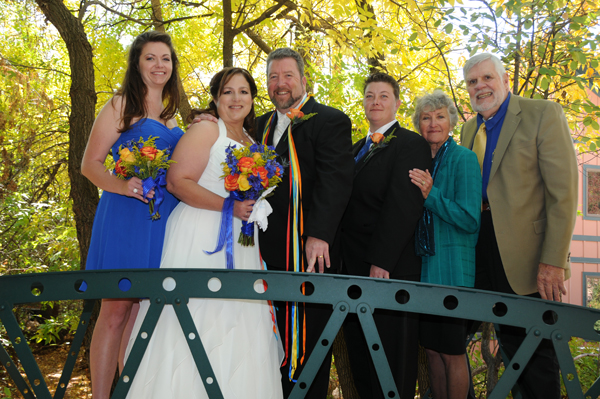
x=84, y=322
x=34, y=375
x=567, y=365
x=305, y=380
x=517, y=364
x=139, y=347
x=386, y=379
x=197, y=348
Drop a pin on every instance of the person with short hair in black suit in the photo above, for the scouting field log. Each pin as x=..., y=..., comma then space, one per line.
x=377, y=233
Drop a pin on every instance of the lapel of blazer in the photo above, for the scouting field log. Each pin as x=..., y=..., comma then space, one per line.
x=370, y=154
x=469, y=132
x=509, y=127
x=283, y=147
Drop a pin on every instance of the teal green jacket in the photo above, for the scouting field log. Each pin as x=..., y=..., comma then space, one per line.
x=455, y=201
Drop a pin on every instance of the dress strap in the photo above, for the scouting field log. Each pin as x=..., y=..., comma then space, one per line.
x=222, y=128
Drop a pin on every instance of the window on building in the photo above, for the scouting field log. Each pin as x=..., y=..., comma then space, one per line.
x=591, y=290
x=591, y=188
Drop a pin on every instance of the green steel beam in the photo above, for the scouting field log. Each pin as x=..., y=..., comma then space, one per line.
x=541, y=319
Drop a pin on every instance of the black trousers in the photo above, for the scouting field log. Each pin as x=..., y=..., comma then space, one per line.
x=317, y=316
x=399, y=333
x=541, y=377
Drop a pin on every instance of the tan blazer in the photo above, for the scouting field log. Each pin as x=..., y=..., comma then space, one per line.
x=532, y=189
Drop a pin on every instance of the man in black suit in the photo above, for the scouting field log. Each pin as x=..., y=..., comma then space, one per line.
x=321, y=144
x=377, y=233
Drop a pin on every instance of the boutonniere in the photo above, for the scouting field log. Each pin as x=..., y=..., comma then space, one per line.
x=297, y=117
x=379, y=141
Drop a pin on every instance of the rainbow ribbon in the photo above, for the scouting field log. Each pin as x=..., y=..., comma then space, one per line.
x=295, y=215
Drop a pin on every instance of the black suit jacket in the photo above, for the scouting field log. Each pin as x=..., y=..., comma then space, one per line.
x=379, y=223
x=324, y=148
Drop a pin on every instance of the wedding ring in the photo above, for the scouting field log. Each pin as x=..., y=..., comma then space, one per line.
x=422, y=182
x=135, y=190
x=320, y=256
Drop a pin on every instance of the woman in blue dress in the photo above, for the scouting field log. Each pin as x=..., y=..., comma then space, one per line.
x=124, y=236
x=452, y=193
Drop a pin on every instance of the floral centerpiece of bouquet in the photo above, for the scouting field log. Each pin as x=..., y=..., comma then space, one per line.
x=143, y=160
x=251, y=172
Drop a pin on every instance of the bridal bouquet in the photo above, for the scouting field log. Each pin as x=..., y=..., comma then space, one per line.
x=251, y=172
x=143, y=160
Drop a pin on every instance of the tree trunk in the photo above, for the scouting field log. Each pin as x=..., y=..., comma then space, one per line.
x=342, y=365
x=83, y=108
x=228, y=35
x=493, y=361
x=375, y=61
x=157, y=20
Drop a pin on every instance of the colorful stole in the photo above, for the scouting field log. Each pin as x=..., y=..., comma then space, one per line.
x=296, y=230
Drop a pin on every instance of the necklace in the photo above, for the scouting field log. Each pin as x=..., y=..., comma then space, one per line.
x=243, y=139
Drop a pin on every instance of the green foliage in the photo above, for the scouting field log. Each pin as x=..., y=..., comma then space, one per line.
x=54, y=329
x=585, y=355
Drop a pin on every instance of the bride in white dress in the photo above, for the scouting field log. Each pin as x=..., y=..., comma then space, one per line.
x=237, y=334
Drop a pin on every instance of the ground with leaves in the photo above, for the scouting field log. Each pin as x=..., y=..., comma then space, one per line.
x=51, y=360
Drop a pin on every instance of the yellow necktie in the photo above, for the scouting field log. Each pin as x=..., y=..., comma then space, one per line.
x=479, y=145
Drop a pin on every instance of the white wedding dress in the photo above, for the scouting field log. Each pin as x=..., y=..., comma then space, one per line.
x=237, y=334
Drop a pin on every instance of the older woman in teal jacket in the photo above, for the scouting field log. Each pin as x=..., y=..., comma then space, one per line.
x=452, y=192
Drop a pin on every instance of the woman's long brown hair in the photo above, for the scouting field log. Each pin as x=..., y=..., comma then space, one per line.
x=134, y=90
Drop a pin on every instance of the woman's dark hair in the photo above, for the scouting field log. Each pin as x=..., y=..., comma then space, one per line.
x=134, y=89
x=216, y=89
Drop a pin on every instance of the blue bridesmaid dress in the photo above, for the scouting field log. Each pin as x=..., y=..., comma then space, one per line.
x=123, y=235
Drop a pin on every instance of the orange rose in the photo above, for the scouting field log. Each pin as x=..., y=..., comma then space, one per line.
x=376, y=137
x=295, y=113
x=119, y=169
x=245, y=164
x=231, y=182
x=260, y=171
x=277, y=171
x=148, y=152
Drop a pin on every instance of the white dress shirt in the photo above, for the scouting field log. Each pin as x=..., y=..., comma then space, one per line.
x=283, y=121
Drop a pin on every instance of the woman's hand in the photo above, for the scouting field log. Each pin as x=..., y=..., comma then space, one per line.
x=422, y=180
x=243, y=209
x=203, y=117
x=133, y=188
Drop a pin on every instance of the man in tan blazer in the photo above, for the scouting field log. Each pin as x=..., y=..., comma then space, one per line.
x=529, y=203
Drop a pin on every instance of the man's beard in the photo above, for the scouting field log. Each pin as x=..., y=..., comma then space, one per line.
x=498, y=100
x=286, y=104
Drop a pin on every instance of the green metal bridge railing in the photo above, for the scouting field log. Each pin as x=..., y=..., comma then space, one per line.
x=541, y=319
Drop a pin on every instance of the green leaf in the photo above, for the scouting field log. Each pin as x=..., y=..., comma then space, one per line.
x=413, y=36
x=593, y=147
x=573, y=65
x=575, y=26
x=437, y=23
x=545, y=83
x=595, y=125
x=448, y=28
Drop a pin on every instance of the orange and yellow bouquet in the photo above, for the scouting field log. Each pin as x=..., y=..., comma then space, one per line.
x=143, y=160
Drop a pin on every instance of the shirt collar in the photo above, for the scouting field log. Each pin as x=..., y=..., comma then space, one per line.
x=382, y=129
